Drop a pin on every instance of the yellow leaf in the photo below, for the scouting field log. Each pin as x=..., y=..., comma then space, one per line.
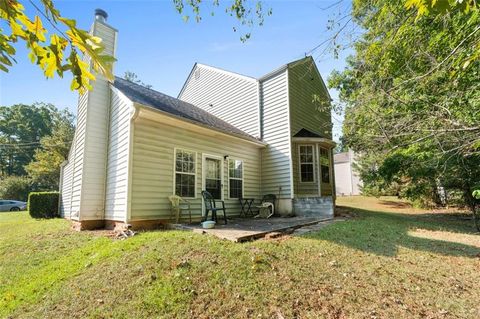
x=49, y=64
x=17, y=29
x=39, y=29
x=32, y=56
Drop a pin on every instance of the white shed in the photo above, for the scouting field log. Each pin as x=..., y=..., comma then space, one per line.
x=347, y=180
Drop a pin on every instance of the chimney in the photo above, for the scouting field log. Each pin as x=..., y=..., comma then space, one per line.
x=93, y=129
x=101, y=15
x=107, y=33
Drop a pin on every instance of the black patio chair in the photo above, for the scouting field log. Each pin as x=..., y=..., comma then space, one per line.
x=211, y=206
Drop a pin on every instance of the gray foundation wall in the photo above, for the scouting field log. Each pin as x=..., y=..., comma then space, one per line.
x=321, y=207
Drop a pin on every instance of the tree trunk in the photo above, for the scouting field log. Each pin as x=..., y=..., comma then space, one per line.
x=471, y=202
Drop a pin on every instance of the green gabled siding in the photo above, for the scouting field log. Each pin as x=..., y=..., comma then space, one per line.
x=304, y=82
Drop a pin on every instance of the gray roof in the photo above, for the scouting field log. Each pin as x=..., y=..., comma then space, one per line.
x=341, y=157
x=306, y=133
x=165, y=103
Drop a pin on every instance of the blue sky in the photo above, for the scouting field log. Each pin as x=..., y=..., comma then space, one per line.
x=156, y=44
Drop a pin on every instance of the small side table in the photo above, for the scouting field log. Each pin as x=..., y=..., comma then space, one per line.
x=246, y=205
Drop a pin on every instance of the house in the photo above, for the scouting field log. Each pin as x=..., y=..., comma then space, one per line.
x=233, y=135
x=347, y=180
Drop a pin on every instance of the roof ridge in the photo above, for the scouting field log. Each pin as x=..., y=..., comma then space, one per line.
x=228, y=71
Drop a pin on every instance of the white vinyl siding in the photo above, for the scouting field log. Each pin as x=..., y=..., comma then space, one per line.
x=88, y=155
x=117, y=162
x=304, y=84
x=231, y=97
x=276, y=157
x=153, y=172
x=66, y=190
x=95, y=162
x=76, y=155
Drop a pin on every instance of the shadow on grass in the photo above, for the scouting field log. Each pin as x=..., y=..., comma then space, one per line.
x=383, y=233
x=395, y=204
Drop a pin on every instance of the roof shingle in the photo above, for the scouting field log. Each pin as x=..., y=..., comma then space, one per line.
x=151, y=98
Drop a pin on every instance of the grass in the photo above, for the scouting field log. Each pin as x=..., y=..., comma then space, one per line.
x=390, y=261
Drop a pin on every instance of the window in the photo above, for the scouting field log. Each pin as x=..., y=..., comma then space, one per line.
x=325, y=165
x=185, y=173
x=306, y=163
x=235, y=178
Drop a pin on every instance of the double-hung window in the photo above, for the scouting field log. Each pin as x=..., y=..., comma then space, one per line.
x=235, y=178
x=307, y=174
x=185, y=173
x=325, y=165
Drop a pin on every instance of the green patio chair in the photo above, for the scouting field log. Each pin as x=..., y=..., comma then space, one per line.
x=211, y=206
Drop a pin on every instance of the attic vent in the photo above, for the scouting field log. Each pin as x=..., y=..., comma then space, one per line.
x=197, y=74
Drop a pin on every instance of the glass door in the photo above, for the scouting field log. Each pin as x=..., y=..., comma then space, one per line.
x=213, y=177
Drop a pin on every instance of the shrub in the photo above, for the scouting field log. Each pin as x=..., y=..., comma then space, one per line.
x=15, y=188
x=43, y=204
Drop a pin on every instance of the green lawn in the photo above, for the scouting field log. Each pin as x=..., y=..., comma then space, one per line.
x=388, y=262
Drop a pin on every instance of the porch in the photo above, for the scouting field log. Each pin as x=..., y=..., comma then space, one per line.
x=246, y=229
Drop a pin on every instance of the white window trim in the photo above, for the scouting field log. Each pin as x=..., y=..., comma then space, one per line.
x=175, y=149
x=300, y=164
x=242, y=179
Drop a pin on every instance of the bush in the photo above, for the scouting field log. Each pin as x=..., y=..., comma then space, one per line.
x=43, y=204
x=15, y=188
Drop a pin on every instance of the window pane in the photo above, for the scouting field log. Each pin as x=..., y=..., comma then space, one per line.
x=325, y=174
x=236, y=186
x=184, y=185
x=185, y=162
x=306, y=172
x=306, y=154
x=235, y=168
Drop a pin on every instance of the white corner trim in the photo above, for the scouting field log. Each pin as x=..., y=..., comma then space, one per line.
x=292, y=191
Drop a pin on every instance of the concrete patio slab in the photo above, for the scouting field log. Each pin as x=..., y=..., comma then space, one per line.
x=245, y=229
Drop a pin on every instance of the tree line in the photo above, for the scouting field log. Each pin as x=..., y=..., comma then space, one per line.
x=34, y=140
x=411, y=96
